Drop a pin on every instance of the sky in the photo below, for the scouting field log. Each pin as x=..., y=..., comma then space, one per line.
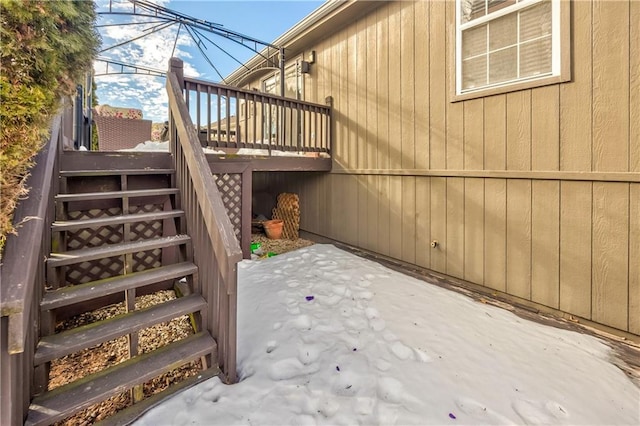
x=261, y=19
x=328, y=338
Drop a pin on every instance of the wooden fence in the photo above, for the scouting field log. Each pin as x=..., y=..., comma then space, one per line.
x=23, y=281
x=215, y=246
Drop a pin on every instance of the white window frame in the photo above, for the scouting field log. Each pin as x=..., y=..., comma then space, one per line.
x=560, y=42
x=293, y=64
x=276, y=74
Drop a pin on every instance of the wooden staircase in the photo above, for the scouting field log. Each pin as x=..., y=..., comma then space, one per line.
x=117, y=234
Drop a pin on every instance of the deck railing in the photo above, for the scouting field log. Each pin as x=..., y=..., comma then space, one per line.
x=229, y=117
x=215, y=247
x=23, y=280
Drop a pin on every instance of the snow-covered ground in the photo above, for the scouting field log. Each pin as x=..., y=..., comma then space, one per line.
x=151, y=146
x=328, y=338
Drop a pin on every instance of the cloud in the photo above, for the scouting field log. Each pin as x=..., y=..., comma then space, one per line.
x=145, y=44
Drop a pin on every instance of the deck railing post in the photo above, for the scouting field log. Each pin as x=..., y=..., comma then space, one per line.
x=282, y=89
x=329, y=101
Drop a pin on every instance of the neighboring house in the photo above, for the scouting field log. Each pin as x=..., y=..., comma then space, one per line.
x=507, y=134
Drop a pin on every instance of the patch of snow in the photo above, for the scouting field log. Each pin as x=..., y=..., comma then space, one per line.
x=152, y=146
x=374, y=346
x=149, y=146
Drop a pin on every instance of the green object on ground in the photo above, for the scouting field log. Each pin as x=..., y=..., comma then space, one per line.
x=254, y=247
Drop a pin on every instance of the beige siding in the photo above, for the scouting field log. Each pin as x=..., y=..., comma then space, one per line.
x=575, y=247
x=634, y=88
x=361, y=55
x=371, y=53
x=610, y=253
x=545, y=243
x=545, y=128
x=495, y=234
x=474, y=134
x=363, y=217
x=518, y=130
x=372, y=213
x=439, y=223
x=438, y=85
x=535, y=192
x=634, y=263
x=576, y=108
x=519, y=238
x=408, y=214
x=421, y=86
x=384, y=200
x=610, y=72
x=423, y=222
x=395, y=224
x=474, y=230
x=455, y=227
x=495, y=134
x=382, y=86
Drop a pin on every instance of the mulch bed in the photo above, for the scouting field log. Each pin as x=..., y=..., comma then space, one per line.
x=279, y=246
x=78, y=365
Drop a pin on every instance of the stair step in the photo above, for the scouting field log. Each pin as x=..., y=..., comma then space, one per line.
x=70, y=295
x=66, y=400
x=117, y=172
x=116, y=194
x=70, y=225
x=111, y=250
x=71, y=341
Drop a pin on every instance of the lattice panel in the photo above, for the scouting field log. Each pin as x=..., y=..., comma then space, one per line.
x=97, y=269
x=146, y=230
x=94, y=237
x=230, y=186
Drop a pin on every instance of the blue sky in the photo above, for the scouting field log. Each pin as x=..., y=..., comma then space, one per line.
x=261, y=19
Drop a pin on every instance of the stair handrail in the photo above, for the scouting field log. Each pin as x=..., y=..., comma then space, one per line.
x=194, y=177
x=22, y=279
x=23, y=259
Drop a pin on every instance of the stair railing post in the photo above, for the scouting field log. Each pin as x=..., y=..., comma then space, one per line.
x=176, y=66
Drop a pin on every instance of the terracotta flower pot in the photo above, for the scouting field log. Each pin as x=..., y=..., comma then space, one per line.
x=273, y=228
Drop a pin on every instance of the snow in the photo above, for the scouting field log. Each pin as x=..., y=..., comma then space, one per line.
x=152, y=146
x=148, y=146
x=373, y=346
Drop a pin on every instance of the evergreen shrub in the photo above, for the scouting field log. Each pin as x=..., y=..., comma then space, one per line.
x=45, y=48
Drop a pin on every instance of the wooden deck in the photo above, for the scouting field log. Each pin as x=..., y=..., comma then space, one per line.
x=96, y=160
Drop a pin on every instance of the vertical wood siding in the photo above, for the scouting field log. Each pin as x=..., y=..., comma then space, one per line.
x=489, y=179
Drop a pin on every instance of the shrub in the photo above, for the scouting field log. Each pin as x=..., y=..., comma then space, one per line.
x=45, y=47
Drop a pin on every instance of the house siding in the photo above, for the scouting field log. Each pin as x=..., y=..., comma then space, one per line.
x=535, y=193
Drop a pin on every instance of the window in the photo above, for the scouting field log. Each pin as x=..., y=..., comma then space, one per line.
x=293, y=81
x=504, y=43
